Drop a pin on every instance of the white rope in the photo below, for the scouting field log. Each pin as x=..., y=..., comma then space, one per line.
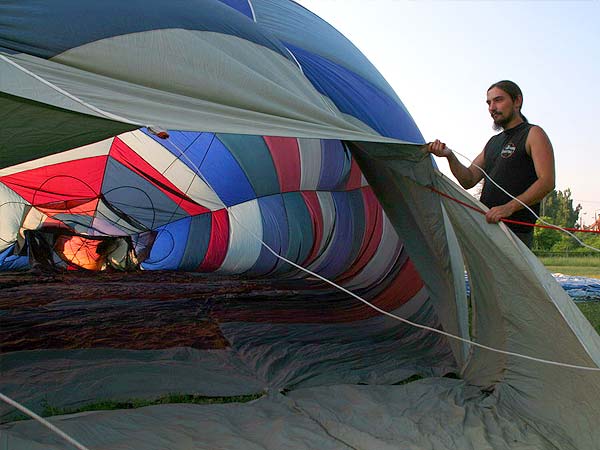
x=43, y=421
x=524, y=205
x=393, y=316
x=376, y=308
x=71, y=96
x=252, y=10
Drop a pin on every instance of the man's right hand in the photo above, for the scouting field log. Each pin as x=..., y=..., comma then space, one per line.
x=438, y=148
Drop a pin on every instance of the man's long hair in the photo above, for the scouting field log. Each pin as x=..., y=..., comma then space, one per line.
x=514, y=91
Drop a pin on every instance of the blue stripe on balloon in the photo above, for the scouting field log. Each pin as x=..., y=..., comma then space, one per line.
x=169, y=246
x=189, y=146
x=138, y=197
x=357, y=206
x=242, y=6
x=354, y=95
x=197, y=242
x=220, y=169
x=300, y=225
x=48, y=28
x=293, y=23
x=335, y=165
x=223, y=173
x=275, y=233
x=339, y=250
x=254, y=157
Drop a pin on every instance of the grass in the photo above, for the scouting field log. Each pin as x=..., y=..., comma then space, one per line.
x=575, y=261
x=50, y=410
x=591, y=310
x=585, y=266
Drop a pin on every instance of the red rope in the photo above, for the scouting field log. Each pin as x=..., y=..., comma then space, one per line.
x=552, y=227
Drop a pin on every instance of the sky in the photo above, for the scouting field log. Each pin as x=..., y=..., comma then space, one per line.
x=441, y=56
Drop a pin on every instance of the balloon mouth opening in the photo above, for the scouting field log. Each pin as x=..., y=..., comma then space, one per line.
x=55, y=248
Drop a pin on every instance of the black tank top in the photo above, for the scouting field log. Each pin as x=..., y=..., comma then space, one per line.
x=509, y=165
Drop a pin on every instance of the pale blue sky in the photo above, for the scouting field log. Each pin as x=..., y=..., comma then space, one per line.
x=441, y=56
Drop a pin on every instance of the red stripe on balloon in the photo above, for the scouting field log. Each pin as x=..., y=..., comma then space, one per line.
x=316, y=214
x=79, y=180
x=286, y=158
x=372, y=236
x=355, y=177
x=219, y=242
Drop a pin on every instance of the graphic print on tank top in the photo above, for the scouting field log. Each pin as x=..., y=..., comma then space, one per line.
x=508, y=150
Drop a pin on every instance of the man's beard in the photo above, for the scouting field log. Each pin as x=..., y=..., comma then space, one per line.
x=500, y=124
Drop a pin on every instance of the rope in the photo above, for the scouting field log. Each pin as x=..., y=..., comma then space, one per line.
x=43, y=421
x=526, y=206
x=71, y=96
x=481, y=211
x=376, y=308
x=408, y=322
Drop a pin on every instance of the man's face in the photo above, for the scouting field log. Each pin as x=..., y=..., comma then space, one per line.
x=501, y=107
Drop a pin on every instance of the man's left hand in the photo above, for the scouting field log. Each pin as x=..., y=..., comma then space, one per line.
x=499, y=212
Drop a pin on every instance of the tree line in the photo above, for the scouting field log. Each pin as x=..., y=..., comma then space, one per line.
x=557, y=208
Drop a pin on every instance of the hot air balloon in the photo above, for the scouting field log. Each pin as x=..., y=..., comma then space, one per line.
x=249, y=146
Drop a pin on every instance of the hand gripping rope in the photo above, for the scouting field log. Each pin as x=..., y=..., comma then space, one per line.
x=545, y=224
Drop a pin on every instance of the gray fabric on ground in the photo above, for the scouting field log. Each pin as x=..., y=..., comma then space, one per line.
x=517, y=305
x=69, y=378
x=263, y=356
x=430, y=414
x=374, y=351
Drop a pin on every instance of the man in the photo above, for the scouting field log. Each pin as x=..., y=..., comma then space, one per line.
x=520, y=159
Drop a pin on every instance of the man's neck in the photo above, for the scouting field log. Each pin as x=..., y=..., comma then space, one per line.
x=513, y=123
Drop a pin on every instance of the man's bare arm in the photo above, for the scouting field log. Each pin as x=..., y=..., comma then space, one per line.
x=466, y=176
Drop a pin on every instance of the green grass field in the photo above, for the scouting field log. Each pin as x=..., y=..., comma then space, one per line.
x=591, y=310
x=134, y=403
x=585, y=266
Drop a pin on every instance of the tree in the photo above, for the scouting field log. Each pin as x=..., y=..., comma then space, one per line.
x=545, y=238
x=557, y=209
x=558, y=205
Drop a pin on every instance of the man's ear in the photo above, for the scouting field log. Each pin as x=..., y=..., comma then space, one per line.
x=519, y=101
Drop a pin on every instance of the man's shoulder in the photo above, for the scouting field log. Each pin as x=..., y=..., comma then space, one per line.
x=538, y=139
x=527, y=130
x=536, y=131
